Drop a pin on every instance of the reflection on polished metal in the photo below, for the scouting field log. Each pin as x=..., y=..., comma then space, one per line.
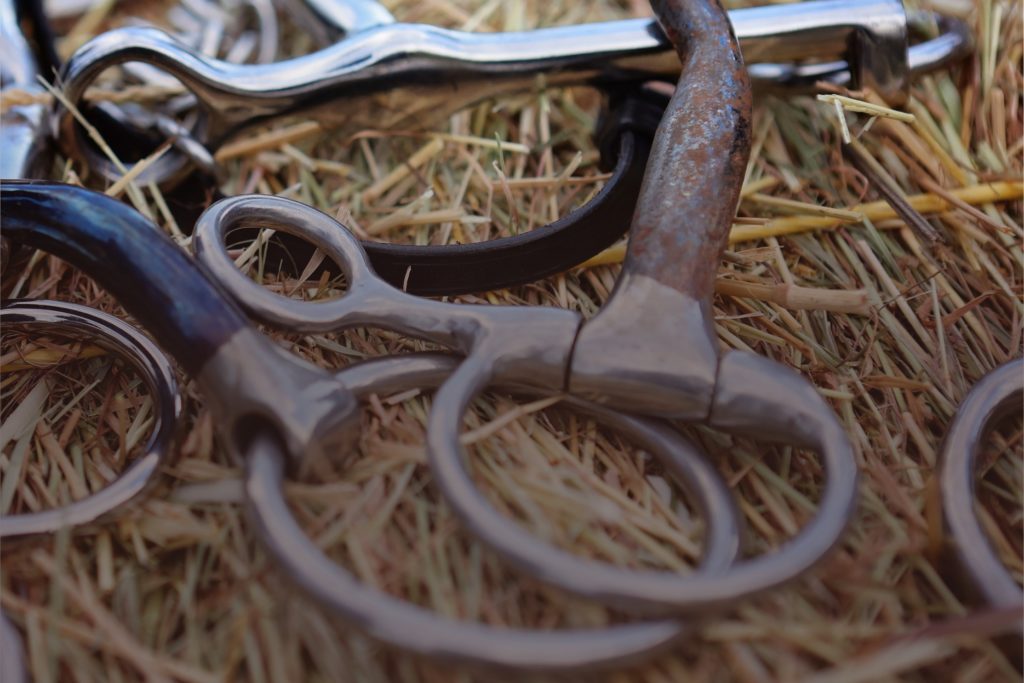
x=391, y=74
x=109, y=332
x=999, y=394
x=422, y=631
x=23, y=135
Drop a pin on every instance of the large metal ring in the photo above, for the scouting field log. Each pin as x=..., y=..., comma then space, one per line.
x=997, y=395
x=156, y=371
x=414, y=628
x=652, y=592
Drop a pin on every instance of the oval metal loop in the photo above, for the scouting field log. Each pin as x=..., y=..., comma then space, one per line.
x=417, y=629
x=299, y=220
x=158, y=375
x=643, y=592
x=998, y=394
x=150, y=46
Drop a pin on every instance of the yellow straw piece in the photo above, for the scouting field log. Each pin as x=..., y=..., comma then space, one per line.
x=42, y=358
x=272, y=140
x=803, y=207
x=872, y=211
x=862, y=107
x=420, y=157
x=880, y=211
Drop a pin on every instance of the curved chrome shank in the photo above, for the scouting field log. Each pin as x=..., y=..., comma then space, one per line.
x=408, y=75
x=23, y=140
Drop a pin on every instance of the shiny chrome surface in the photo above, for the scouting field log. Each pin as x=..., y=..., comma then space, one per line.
x=156, y=372
x=422, y=631
x=388, y=75
x=331, y=20
x=250, y=381
x=999, y=394
x=23, y=134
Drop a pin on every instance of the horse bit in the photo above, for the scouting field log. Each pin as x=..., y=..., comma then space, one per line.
x=648, y=356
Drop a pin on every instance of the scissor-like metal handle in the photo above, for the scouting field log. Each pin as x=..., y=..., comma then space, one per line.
x=999, y=394
x=409, y=75
x=154, y=369
x=651, y=349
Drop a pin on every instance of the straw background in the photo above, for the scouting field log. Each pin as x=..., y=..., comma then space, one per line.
x=894, y=317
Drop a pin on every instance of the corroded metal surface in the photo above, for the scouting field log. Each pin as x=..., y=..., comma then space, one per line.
x=695, y=172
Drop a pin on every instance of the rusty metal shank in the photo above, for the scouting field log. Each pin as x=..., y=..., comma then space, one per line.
x=657, y=323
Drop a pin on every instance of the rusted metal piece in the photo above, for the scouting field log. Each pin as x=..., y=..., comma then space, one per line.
x=657, y=324
x=694, y=175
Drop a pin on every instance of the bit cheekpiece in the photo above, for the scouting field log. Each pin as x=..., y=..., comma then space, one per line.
x=650, y=354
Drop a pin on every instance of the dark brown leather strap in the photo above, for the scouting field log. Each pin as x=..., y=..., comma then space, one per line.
x=530, y=256
x=623, y=137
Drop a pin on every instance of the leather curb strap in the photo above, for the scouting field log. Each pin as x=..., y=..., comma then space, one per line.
x=624, y=135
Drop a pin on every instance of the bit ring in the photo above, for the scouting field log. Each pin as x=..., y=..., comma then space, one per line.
x=414, y=628
x=156, y=372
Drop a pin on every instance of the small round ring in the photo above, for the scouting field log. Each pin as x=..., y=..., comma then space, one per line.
x=421, y=631
x=997, y=395
x=155, y=370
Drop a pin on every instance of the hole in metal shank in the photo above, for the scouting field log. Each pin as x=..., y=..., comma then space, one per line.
x=286, y=265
